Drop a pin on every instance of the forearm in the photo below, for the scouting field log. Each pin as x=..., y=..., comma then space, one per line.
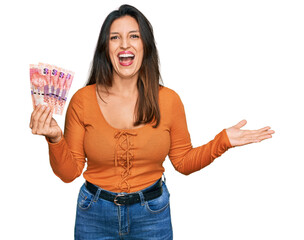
x=62, y=161
x=200, y=157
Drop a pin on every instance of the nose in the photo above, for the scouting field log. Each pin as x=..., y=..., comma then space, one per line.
x=124, y=43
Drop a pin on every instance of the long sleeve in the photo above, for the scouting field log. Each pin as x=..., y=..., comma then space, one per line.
x=183, y=156
x=67, y=157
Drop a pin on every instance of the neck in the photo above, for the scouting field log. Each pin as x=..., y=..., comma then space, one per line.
x=124, y=86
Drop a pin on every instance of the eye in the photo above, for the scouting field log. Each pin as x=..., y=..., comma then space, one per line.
x=134, y=36
x=113, y=37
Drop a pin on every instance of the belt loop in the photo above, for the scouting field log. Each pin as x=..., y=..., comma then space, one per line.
x=96, y=196
x=142, y=198
x=164, y=178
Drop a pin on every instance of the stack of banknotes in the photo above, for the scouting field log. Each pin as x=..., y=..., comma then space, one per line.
x=50, y=86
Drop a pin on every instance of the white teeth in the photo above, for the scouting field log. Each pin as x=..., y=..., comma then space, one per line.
x=126, y=55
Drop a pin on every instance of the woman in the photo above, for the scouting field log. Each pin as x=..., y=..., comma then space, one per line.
x=125, y=124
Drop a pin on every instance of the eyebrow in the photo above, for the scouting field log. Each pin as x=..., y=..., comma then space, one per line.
x=133, y=31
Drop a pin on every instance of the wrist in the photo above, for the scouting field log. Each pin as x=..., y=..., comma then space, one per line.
x=55, y=139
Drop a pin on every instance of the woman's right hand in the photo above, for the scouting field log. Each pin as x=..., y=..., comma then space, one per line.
x=42, y=123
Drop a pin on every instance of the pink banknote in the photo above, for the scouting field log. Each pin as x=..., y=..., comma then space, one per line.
x=50, y=85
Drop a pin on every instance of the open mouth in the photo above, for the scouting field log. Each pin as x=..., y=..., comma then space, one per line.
x=126, y=58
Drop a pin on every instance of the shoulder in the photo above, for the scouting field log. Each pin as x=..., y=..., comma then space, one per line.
x=168, y=95
x=82, y=99
x=80, y=103
x=83, y=94
x=170, y=103
x=84, y=91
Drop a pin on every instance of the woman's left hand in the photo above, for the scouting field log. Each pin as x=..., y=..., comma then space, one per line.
x=238, y=137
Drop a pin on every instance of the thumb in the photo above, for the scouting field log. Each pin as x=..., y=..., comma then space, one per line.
x=240, y=124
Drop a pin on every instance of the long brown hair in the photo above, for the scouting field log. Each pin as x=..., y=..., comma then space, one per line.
x=149, y=78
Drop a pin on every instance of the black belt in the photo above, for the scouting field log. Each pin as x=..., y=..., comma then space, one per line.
x=127, y=198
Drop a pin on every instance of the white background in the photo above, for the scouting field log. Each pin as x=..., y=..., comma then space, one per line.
x=228, y=60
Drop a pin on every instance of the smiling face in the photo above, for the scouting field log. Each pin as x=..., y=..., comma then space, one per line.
x=125, y=47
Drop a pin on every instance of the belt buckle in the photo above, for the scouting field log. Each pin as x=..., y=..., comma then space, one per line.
x=115, y=199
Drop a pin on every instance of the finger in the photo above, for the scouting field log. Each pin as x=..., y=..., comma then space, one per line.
x=258, y=137
x=42, y=119
x=34, y=113
x=36, y=118
x=36, y=107
x=264, y=137
x=271, y=132
x=240, y=124
x=264, y=133
x=255, y=137
x=48, y=120
x=31, y=123
x=264, y=129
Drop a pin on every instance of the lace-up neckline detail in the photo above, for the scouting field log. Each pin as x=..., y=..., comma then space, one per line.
x=124, y=156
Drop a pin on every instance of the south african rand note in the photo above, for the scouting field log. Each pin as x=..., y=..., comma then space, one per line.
x=50, y=85
x=38, y=81
x=64, y=86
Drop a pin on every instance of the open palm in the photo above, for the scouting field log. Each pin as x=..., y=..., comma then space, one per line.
x=239, y=137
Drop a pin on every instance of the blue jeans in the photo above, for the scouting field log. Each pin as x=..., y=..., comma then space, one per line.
x=100, y=219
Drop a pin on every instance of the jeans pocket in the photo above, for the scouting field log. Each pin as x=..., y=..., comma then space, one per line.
x=85, y=199
x=159, y=204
